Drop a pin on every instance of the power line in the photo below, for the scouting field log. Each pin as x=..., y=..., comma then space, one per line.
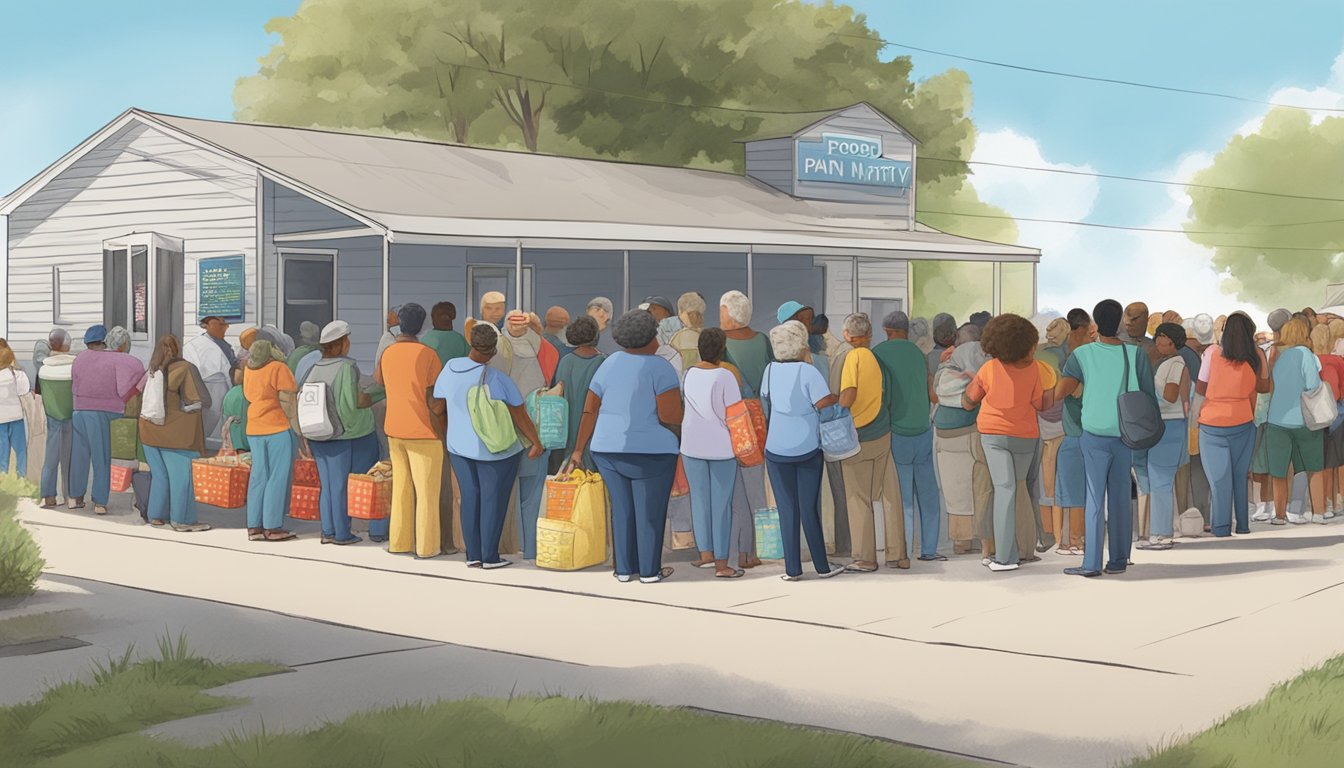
x=1098, y=225
x=1090, y=78
x=1038, y=169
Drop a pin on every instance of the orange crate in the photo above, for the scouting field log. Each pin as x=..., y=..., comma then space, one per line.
x=304, y=502
x=368, y=497
x=121, y=477
x=305, y=473
x=220, y=481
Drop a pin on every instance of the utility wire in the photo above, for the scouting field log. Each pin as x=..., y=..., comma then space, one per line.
x=1090, y=78
x=1037, y=169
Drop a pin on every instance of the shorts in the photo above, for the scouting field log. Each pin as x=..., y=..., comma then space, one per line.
x=1334, y=449
x=1260, y=458
x=1070, y=476
x=1299, y=446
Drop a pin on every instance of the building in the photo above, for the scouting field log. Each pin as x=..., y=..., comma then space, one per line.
x=157, y=220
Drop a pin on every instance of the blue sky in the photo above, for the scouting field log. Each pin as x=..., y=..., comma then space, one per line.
x=68, y=67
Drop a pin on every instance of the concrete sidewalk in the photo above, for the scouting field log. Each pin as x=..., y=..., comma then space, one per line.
x=1029, y=667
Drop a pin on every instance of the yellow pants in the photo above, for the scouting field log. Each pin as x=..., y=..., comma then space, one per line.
x=417, y=471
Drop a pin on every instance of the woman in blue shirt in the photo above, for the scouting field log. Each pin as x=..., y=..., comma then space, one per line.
x=485, y=478
x=793, y=390
x=632, y=399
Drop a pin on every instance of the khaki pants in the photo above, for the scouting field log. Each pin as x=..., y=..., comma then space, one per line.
x=870, y=477
x=417, y=469
x=1049, y=457
x=967, y=490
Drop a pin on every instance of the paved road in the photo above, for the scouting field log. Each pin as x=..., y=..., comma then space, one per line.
x=1029, y=667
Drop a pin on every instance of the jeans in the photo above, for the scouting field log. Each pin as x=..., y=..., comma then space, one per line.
x=1226, y=455
x=1163, y=461
x=1141, y=480
x=14, y=435
x=485, y=487
x=1107, y=462
x=268, y=485
x=639, y=485
x=1010, y=461
x=914, y=469
x=56, y=467
x=170, y=493
x=796, y=481
x=531, y=491
x=711, y=484
x=91, y=444
x=336, y=459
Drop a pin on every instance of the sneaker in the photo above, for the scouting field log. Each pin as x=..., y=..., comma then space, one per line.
x=1297, y=519
x=348, y=542
x=1317, y=519
x=985, y=561
x=1263, y=515
x=191, y=527
x=75, y=503
x=663, y=574
x=624, y=578
x=49, y=503
x=1331, y=515
x=1087, y=573
x=1154, y=543
x=1278, y=521
x=833, y=570
x=997, y=566
x=473, y=563
x=100, y=509
x=501, y=564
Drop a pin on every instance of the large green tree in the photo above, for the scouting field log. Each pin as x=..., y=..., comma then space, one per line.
x=1276, y=251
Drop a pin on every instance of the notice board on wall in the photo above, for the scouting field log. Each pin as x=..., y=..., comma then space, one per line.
x=220, y=288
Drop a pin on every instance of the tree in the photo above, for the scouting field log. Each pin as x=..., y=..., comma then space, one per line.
x=1277, y=251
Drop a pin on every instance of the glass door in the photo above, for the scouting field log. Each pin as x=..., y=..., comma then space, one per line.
x=307, y=289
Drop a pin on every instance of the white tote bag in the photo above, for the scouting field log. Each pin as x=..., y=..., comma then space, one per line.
x=1319, y=408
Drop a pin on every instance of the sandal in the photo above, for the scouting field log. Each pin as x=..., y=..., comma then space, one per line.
x=752, y=563
x=191, y=527
x=857, y=568
x=158, y=523
x=729, y=573
x=256, y=534
x=279, y=535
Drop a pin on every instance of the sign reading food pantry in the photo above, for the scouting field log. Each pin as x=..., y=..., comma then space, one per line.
x=842, y=159
x=220, y=288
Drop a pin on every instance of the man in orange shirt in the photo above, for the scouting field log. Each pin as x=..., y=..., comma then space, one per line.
x=408, y=370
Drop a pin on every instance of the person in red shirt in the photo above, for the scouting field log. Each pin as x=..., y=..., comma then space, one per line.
x=1332, y=375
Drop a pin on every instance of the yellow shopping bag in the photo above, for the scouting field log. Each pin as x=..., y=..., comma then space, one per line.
x=573, y=534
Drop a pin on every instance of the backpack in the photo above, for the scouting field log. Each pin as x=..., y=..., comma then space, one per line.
x=317, y=412
x=1140, y=421
x=490, y=418
x=153, y=406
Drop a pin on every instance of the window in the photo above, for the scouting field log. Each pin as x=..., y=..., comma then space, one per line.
x=142, y=285
x=308, y=289
x=482, y=279
x=56, y=318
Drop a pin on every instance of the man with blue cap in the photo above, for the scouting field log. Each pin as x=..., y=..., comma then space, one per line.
x=793, y=310
x=102, y=382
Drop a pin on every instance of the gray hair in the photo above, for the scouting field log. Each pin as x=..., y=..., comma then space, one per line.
x=635, y=329
x=309, y=333
x=1279, y=318
x=117, y=338
x=919, y=328
x=896, y=321
x=858, y=325
x=690, y=302
x=789, y=341
x=602, y=303
x=968, y=333
x=738, y=305
x=944, y=329
x=59, y=338
x=1203, y=327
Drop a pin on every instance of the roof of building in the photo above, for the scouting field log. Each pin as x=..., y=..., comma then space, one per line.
x=430, y=188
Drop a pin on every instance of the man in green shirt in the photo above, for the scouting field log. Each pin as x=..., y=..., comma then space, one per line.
x=53, y=379
x=909, y=403
x=446, y=342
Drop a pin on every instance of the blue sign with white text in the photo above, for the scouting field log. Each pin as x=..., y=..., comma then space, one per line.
x=220, y=288
x=844, y=159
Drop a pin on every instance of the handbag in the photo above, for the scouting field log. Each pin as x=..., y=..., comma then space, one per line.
x=490, y=418
x=1140, y=420
x=839, y=437
x=1319, y=408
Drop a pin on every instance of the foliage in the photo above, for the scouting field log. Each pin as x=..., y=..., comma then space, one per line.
x=21, y=560
x=1290, y=154
x=1299, y=723
x=445, y=71
x=124, y=696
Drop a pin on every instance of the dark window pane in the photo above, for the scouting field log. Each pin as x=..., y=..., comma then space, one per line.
x=114, y=287
x=140, y=288
x=308, y=288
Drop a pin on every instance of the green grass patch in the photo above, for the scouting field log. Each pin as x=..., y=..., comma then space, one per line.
x=20, y=558
x=1299, y=723
x=125, y=696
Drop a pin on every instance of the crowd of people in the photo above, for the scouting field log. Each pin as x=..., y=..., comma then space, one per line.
x=1112, y=427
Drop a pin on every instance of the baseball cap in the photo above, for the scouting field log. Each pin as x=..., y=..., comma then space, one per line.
x=96, y=334
x=788, y=309
x=658, y=301
x=333, y=331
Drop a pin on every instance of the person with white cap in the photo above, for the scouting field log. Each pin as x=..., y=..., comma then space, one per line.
x=352, y=446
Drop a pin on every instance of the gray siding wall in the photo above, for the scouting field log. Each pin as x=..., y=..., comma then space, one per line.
x=359, y=289
x=770, y=161
x=137, y=180
x=296, y=212
x=779, y=278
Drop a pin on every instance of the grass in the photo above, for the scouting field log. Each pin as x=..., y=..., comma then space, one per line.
x=20, y=558
x=1299, y=723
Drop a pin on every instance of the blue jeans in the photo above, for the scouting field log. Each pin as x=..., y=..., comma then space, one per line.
x=711, y=485
x=485, y=487
x=91, y=444
x=170, y=495
x=1226, y=455
x=14, y=435
x=914, y=469
x=1141, y=471
x=531, y=490
x=1163, y=460
x=796, y=481
x=56, y=467
x=640, y=485
x=268, y=485
x=1107, y=462
x=336, y=459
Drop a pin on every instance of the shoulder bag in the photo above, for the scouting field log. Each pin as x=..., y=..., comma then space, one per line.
x=1140, y=420
x=490, y=418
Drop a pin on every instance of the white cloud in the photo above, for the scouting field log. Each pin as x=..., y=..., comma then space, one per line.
x=1324, y=97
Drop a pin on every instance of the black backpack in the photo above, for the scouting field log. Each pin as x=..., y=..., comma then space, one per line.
x=1140, y=420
